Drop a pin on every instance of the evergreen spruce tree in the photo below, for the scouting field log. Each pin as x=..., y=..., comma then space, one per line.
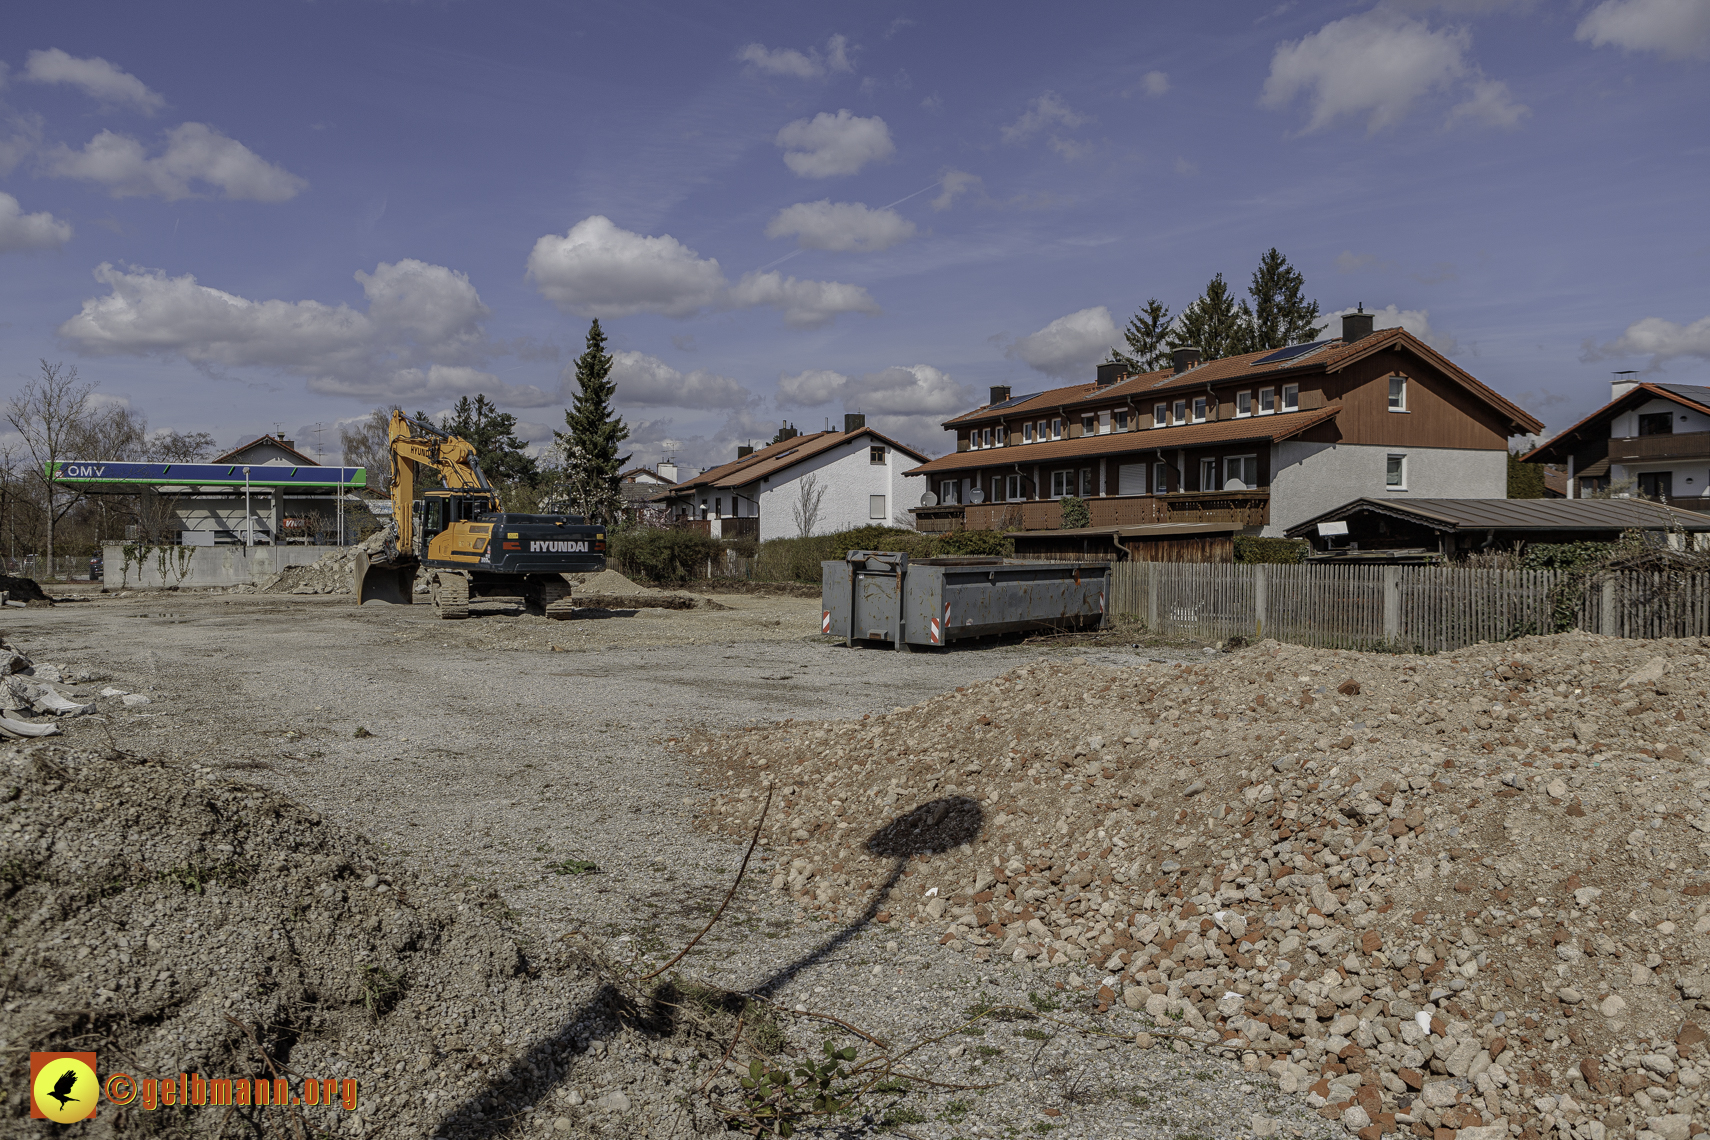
x=1148, y=335
x=595, y=432
x=493, y=434
x=1215, y=324
x=1281, y=313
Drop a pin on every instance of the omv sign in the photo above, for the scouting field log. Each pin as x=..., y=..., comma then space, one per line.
x=83, y=470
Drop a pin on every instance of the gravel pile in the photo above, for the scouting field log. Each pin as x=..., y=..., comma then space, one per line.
x=1464, y=893
x=332, y=573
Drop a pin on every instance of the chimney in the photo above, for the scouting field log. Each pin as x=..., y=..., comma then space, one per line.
x=1622, y=384
x=668, y=471
x=743, y=451
x=853, y=421
x=1185, y=358
x=1109, y=374
x=1356, y=324
x=1000, y=393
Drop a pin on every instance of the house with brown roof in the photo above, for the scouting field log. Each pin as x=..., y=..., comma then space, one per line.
x=1252, y=443
x=1650, y=440
x=826, y=481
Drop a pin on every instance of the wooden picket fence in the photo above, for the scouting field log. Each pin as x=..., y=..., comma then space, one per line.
x=1421, y=609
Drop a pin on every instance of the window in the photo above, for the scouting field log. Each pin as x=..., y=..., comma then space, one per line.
x=1199, y=409
x=1291, y=397
x=1044, y=431
x=1267, y=401
x=1013, y=490
x=1026, y=433
x=1180, y=412
x=1056, y=429
x=1395, y=473
x=876, y=455
x=1398, y=393
x=1086, y=483
x=949, y=492
x=1160, y=415
x=1089, y=424
x=876, y=507
x=1119, y=420
x=1658, y=485
x=986, y=438
x=1104, y=423
x=1208, y=474
x=1160, y=478
x=1243, y=403
x=1131, y=479
x=1656, y=423
x=1062, y=483
x=718, y=508
x=1240, y=472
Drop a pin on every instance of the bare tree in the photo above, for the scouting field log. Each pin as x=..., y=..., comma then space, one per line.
x=51, y=412
x=365, y=444
x=809, y=495
x=178, y=446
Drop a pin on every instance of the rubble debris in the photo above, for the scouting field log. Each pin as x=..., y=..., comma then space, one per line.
x=25, y=590
x=1465, y=892
x=332, y=573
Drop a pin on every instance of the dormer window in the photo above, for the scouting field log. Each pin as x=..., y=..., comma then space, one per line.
x=986, y=437
x=1056, y=429
x=1199, y=409
x=1089, y=424
x=1026, y=433
x=1160, y=415
x=1243, y=404
x=1267, y=401
x=1291, y=397
x=1180, y=412
x=1119, y=420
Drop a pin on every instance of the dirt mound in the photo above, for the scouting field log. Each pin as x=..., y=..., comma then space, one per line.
x=26, y=590
x=1458, y=892
x=608, y=582
x=332, y=573
x=175, y=922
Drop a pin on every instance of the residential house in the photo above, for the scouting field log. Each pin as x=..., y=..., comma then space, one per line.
x=641, y=486
x=849, y=478
x=1437, y=530
x=1252, y=443
x=1650, y=440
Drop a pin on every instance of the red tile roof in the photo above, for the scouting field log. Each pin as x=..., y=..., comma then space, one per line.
x=1557, y=449
x=776, y=457
x=1266, y=428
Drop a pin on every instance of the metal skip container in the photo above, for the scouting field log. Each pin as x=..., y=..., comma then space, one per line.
x=882, y=596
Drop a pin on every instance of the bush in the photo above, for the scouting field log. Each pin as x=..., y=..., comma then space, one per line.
x=1567, y=555
x=798, y=559
x=670, y=556
x=1076, y=513
x=974, y=542
x=1270, y=551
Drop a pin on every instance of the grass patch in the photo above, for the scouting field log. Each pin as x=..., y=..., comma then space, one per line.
x=900, y=1115
x=893, y=1085
x=1044, y=1003
x=380, y=990
x=988, y=1050
x=573, y=867
x=1035, y=1034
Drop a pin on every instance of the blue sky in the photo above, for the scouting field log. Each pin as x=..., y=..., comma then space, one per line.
x=241, y=216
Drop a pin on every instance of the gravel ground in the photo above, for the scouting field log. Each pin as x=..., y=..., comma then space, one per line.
x=426, y=854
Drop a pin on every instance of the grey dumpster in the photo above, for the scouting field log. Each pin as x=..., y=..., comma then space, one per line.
x=882, y=596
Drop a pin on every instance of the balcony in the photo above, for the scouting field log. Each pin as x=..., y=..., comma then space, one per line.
x=1660, y=448
x=1242, y=508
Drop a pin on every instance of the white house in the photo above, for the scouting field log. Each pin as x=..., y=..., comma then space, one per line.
x=835, y=479
x=1651, y=438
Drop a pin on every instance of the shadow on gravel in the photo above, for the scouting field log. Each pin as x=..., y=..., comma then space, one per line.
x=936, y=826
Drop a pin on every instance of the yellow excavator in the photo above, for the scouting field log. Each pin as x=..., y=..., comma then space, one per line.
x=469, y=544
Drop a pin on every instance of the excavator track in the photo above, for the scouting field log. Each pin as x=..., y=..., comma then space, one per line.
x=450, y=594
x=549, y=597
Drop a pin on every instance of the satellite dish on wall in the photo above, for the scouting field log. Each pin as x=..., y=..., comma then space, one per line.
x=929, y=500
x=976, y=496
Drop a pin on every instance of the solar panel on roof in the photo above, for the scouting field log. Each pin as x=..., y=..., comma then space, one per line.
x=1291, y=352
x=1013, y=400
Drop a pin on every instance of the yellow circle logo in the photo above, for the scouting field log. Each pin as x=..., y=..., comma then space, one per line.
x=66, y=1090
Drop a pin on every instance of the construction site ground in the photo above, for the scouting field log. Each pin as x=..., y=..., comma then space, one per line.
x=436, y=855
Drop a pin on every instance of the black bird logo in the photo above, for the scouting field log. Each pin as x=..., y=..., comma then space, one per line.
x=62, y=1087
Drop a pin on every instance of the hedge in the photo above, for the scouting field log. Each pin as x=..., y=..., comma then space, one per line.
x=1252, y=550
x=669, y=556
x=798, y=559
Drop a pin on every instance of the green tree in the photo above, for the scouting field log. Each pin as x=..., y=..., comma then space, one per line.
x=1148, y=336
x=1215, y=323
x=1525, y=480
x=595, y=432
x=493, y=434
x=1281, y=313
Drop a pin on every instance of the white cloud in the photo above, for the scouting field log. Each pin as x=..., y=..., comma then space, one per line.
x=647, y=381
x=600, y=270
x=810, y=389
x=1490, y=105
x=1155, y=82
x=1415, y=321
x=23, y=133
x=802, y=65
x=20, y=231
x=1042, y=113
x=1378, y=64
x=829, y=145
x=1069, y=347
x=195, y=152
x=420, y=338
x=1659, y=339
x=1675, y=29
x=905, y=402
x=954, y=183
x=840, y=226
x=94, y=76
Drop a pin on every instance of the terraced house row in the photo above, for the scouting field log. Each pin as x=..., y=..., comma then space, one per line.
x=1252, y=443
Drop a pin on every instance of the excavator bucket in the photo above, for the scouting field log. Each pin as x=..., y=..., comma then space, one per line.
x=393, y=582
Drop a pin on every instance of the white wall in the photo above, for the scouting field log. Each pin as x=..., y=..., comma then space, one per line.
x=1308, y=479
x=850, y=479
x=1626, y=425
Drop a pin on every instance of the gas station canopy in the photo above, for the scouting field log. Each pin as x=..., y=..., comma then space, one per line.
x=262, y=475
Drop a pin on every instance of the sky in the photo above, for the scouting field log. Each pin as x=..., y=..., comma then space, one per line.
x=253, y=218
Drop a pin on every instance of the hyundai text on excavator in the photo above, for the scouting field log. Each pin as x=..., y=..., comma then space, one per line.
x=469, y=544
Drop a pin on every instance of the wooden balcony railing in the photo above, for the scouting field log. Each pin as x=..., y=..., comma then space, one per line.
x=1655, y=448
x=1241, y=508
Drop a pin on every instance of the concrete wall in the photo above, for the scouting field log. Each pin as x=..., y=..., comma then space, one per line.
x=208, y=565
x=850, y=479
x=1308, y=479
